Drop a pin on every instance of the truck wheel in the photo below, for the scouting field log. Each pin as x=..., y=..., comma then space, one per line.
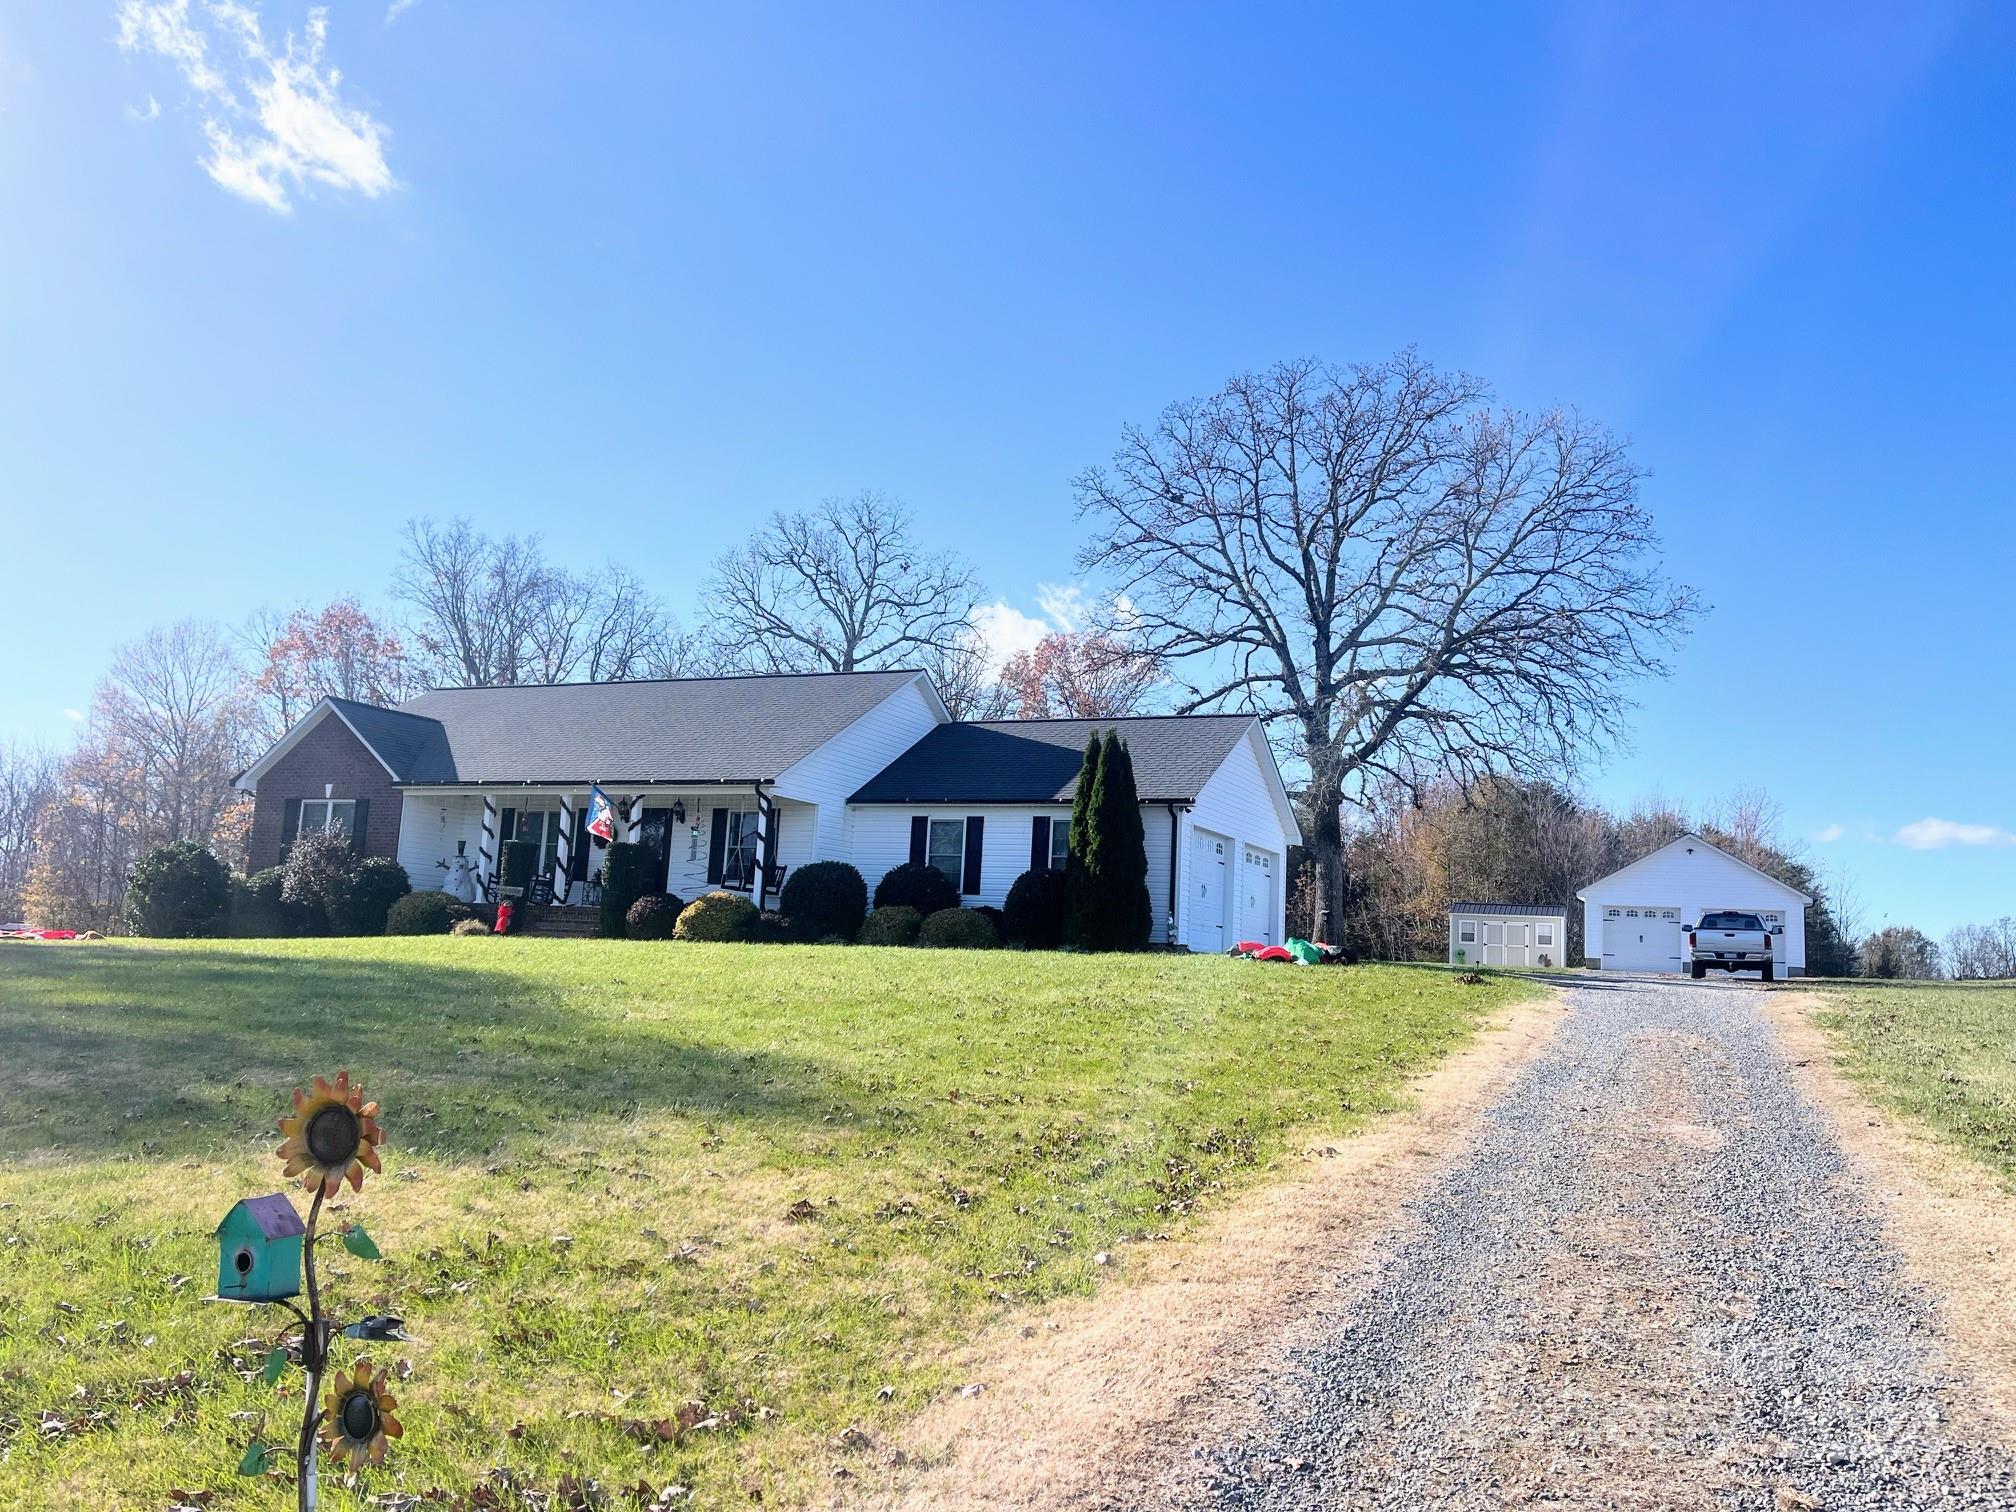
x=1770, y=971
x=1699, y=970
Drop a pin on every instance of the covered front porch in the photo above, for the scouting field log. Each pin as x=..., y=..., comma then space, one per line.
x=740, y=838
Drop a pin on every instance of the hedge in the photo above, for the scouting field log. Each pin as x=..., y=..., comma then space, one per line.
x=896, y=924
x=826, y=898
x=653, y=917
x=1035, y=914
x=425, y=913
x=178, y=891
x=915, y=885
x=717, y=916
x=623, y=874
x=959, y=929
x=380, y=882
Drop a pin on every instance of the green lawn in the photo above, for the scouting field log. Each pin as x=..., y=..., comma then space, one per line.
x=1943, y=1053
x=623, y=1178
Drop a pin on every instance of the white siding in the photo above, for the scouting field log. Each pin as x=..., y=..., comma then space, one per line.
x=1240, y=803
x=429, y=826
x=1694, y=877
x=881, y=839
x=839, y=768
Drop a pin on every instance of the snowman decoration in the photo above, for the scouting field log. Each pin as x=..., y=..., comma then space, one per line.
x=461, y=881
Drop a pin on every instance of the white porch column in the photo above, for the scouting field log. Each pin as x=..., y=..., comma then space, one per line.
x=563, y=857
x=634, y=827
x=486, y=850
x=759, y=885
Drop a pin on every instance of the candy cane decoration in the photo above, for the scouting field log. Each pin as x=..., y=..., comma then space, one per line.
x=563, y=860
x=486, y=853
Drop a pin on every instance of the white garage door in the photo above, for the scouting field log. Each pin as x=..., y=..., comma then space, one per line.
x=1257, y=880
x=1641, y=939
x=1209, y=888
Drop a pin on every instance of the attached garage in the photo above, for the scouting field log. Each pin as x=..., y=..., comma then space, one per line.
x=1259, y=895
x=1636, y=918
x=1210, y=891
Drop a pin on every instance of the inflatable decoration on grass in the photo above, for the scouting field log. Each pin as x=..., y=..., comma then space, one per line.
x=264, y=1253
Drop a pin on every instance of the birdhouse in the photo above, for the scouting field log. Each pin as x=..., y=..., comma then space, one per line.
x=259, y=1251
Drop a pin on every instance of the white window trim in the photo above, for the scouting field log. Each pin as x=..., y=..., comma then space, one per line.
x=1466, y=932
x=1060, y=844
x=740, y=853
x=1543, y=934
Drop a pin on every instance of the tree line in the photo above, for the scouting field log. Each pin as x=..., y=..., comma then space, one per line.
x=1419, y=591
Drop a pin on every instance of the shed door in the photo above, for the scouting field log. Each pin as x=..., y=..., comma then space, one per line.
x=1208, y=891
x=1256, y=875
x=1640, y=938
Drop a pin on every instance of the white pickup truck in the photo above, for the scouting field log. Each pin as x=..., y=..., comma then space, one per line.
x=1730, y=942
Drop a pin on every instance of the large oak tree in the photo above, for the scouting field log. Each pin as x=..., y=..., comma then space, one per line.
x=1405, y=583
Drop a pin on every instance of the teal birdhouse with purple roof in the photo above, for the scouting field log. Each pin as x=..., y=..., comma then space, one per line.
x=259, y=1251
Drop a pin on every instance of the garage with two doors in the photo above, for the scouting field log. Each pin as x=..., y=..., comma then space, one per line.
x=1636, y=918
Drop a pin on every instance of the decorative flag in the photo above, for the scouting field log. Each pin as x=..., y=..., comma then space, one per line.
x=601, y=816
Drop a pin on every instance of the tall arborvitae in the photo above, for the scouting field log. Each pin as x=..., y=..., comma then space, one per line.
x=1078, y=888
x=1123, y=849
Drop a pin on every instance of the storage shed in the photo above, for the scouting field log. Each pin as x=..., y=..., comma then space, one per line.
x=1636, y=919
x=1507, y=934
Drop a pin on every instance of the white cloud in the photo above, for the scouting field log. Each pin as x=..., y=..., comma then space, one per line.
x=1938, y=834
x=281, y=123
x=397, y=9
x=1006, y=631
x=1830, y=834
x=75, y=716
x=150, y=112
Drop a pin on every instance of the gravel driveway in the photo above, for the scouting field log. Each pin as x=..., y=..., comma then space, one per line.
x=1651, y=1283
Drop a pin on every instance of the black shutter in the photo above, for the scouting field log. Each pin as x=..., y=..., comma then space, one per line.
x=1039, y=843
x=290, y=824
x=717, y=846
x=357, y=818
x=920, y=827
x=505, y=831
x=970, y=884
x=577, y=864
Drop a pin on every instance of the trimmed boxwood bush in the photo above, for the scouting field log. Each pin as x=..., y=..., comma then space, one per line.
x=896, y=924
x=178, y=891
x=623, y=869
x=469, y=927
x=775, y=927
x=913, y=885
x=959, y=929
x=653, y=917
x=717, y=916
x=827, y=897
x=425, y=913
x=1036, y=908
x=317, y=877
x=380, y=882
x=259, y=912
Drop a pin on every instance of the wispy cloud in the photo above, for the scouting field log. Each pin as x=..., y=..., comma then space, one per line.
x=274, y=118
x=151, y=111
x=397, y=9
x=75, y=716
x=1829, y=834
x=1938, y=834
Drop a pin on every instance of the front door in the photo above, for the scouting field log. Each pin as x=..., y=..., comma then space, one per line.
x=654, y=833
x=1207, y=891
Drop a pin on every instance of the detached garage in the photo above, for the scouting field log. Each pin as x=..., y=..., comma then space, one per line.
x=1636, y=919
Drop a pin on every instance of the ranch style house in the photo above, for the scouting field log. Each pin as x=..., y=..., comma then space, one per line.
x=732, y=781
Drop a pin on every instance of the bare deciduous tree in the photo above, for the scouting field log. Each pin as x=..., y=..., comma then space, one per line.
x=1403, y=584
x=840, y=588
x=1982, y=952
x=338, y=651
x=1079, y=674
x=28, y=786
x=493, y=612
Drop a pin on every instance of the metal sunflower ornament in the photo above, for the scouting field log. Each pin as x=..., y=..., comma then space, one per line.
x=332, y=1134
x=357, y=1419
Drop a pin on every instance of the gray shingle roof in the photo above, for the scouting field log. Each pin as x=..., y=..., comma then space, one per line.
x=700, y=729
x=1540, y=910
x=1037, y=760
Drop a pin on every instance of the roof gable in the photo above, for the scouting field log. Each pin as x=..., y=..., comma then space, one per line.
x=1037, y=760
x=1701, y=843
x=700, y=729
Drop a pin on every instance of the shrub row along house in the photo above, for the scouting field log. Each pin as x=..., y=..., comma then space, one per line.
x=729, y=782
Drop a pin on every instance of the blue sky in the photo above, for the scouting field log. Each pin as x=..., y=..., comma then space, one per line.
x=632, y=275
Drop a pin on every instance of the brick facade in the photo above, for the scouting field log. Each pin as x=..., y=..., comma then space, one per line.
x=327, y=756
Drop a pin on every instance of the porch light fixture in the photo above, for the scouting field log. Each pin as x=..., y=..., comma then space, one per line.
x=678, y=810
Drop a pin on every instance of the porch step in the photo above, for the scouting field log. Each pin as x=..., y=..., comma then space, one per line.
x=569, y=923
